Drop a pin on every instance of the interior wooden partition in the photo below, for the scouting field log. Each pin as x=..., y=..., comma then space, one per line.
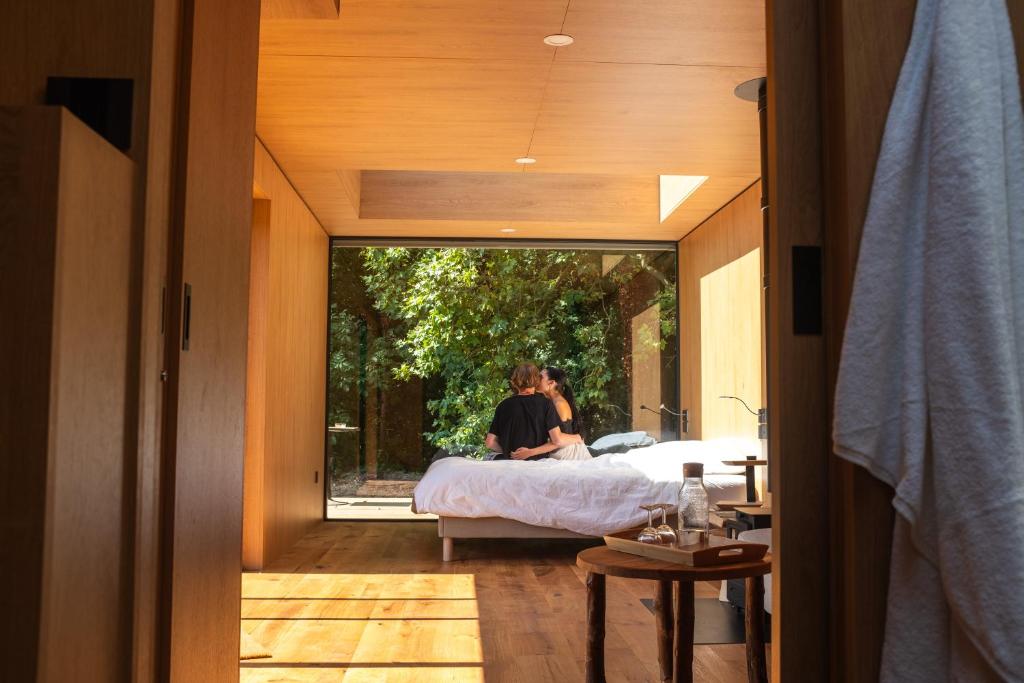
x=284, y=415
x=137, y=40
x=65, y=205
x=208, y=293
x=797, y=414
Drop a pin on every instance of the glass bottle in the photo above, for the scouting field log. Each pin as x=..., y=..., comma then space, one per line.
x=693, y=505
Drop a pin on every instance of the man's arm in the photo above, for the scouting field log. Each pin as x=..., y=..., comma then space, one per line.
x=522, y=453
x=558, y=439
x=492, y=443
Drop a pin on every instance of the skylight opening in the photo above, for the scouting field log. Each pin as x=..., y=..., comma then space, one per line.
x=676, y=189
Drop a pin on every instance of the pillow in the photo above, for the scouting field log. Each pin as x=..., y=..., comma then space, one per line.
x=620, y=443
x=453, y=452
x=707, y=453
x=736, y=447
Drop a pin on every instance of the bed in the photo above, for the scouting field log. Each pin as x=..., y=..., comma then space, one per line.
x=570, y=499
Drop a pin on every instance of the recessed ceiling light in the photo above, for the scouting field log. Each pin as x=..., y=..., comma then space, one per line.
x=526, y=160
x=558, y=40
x=507, y=230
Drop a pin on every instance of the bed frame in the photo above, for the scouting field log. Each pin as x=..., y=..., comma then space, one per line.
x=450, y=528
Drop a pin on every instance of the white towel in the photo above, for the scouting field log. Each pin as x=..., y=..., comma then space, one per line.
x=930, y=396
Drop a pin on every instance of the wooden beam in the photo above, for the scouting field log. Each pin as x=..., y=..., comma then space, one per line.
x=508, y=196
x=300, y=9
x=351, y=183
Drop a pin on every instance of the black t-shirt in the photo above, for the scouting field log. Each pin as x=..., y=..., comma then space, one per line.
x=523, y=420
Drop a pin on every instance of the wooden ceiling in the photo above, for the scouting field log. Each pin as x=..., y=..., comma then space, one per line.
x=435, y=99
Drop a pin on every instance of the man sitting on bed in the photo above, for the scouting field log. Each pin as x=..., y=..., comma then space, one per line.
x=526, y=420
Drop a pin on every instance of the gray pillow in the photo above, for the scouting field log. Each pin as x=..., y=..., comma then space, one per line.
x=453, y=452
x=620, y=443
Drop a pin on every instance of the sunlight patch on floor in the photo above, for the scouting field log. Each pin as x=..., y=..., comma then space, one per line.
x=363, y=627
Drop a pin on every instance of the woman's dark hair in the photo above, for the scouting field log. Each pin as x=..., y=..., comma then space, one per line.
x=558, y=376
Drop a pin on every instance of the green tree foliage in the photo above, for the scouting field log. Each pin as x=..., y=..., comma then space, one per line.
x=467, y=316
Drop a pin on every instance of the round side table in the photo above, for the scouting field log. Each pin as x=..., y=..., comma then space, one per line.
x=675, y=626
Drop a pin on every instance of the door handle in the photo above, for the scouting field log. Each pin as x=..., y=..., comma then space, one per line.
x=186, y=323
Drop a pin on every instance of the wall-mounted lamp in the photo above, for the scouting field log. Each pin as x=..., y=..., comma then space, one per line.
x=612, y=405
x=761, y=415
x=684, y=417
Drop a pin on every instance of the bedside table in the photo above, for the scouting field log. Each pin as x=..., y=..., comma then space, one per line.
x=748, y=518
x=749, y=464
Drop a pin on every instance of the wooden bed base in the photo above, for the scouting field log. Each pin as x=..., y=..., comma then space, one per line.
x=450, y=528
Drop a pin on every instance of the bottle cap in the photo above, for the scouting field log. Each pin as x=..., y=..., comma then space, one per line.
x=693, y=469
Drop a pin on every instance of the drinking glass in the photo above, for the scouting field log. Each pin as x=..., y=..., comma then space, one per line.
x=649, y=534
x=665, y=531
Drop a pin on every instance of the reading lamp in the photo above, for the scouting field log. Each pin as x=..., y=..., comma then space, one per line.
x=761, y=415
x=685, y=416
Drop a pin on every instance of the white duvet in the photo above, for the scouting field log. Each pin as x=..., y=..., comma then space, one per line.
x=592, y=497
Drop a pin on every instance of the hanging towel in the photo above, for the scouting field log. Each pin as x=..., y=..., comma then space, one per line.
x=930, y=396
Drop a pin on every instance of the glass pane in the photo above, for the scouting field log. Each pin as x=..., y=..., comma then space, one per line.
x=422, y=342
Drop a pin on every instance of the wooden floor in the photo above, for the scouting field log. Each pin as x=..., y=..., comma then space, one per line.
x=372, y=601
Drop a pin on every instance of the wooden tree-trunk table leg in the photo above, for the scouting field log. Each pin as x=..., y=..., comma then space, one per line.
x=757, y=671
x=595, y=627
x=663, y=617
x=682, y=650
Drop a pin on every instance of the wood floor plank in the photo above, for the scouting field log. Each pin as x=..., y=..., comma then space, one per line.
x=368, y=602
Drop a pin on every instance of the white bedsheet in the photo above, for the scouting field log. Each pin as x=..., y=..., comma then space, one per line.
x=592, y=497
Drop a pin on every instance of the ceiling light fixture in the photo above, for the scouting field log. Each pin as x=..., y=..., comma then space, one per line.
x=507, y=230
x=526, y=160
x=559, y=40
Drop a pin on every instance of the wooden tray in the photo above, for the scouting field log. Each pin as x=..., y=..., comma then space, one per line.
x=715, y=551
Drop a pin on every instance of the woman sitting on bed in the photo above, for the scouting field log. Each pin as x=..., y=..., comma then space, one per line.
x=555, y=385
x=526, y=420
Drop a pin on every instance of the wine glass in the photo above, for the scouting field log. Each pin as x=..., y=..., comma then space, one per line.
x=665, y=532
x=649, y=534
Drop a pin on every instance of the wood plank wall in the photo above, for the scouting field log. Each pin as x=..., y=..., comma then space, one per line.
x=136, y=39
x=798, y=428
x=66, y=207
x=284, y=495
x=731, y=233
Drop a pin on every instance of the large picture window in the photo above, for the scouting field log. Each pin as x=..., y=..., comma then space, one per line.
x=422, y=341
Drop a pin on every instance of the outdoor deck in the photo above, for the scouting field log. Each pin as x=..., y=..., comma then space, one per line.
x=372, y=601
x=376, y=499
x=373, y=508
